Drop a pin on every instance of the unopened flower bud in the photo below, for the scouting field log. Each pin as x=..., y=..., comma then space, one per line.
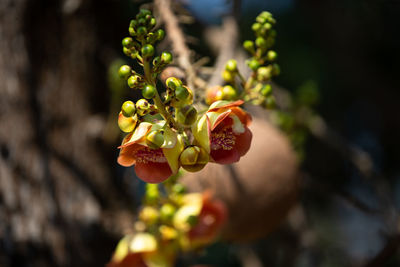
x=149, y=91
x=264, y=73
x=231, y=65
x=249, y=46
x=124, y=71
x=173, y=83
x=181, y=93
x=127, y=51
x=228, y=93
x=142, y=107
x=160, y=33
x=152, y=194
x=142, y=21
x=186, y=115
x=228, y=76
x=128, y=108
x=253, y=64
x=152, y=23
x=132, y=31
x=127, y=124
x=149, y=215
x=127, y=42
x=167, y=212
x=272, y=55
x=166, y=57
x=134, y=81
x=147, y=50
x=178, y=188
x=193, y=158
x=260, y=42
x=141, y=31
x=155, y=139
x=266, y=90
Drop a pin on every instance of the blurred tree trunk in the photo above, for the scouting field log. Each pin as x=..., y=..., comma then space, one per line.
x=56, y=184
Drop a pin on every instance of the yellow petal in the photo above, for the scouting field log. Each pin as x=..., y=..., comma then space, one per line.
x=122, y=250
x=201, y=132
x=143, y=242
x=170, y=138
x=172, y=154
x=139, y=133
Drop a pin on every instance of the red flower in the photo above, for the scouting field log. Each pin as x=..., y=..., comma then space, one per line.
x=223, y=131
x=151, y=165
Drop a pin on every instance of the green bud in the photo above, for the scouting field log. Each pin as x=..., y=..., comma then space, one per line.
x=173, y=83
x=178, y=189
x=149, y=91
x=266, y=90
x=193, y=158
x=144, y=12
x=260, y=42
x=256, y=27
x=264, y=73
x=276, y=70
x=127, y=51
x=142, y=107
x=231, y=65
x=186, y=115
x=265, y=14
x=272, y=55
x=267, y=26
x=167, y=212
x=261, y=19
x=133, y=23
x=160, y=33
x=253, y=64
x=166, y=57
x=124, y=71
x=156, y=61
x=127, y=42
x=228, y=76
x=152, y=194
x=147, y=50
x=132, y=31
x=142, y=21
x=134, y=81
x=141, y=31
x=128, y=108
x=149, y=215
x=155, y=139
x=249, y=46
x=152, y=23
x=228, y=93
x=181, y=93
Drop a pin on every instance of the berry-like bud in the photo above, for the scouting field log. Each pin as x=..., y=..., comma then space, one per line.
x=149, y=215
x=249, y=46
x=228, y=93
x=134, y=81
x=141, y=31
x=160, y=33
x=181, y=93
x=260, y=42
x=128, y=108
x=142, y=107
x=127, y=51
x=272, y=55
x=228, y=76
x=253, y=64
x=152, y=23
x=126, y=124
x=124, y=71
x=167, y=212
x=173, y=83
x=264, y=73
x=231, y=65
x=147, y=50
x=127, y=42
x=132, y=31
x=193, y=158
x=149, y=91
x=166, y=57
x=266, y=90
x=144, y=12
x=155, y=139
x=256, y=27
x=186, y=115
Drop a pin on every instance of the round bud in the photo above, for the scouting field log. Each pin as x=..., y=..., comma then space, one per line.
x=149, y=215
x=267, y=26
x=231, y=65
x=276, y=70
x=134, y=81
x=228, y=76
x=132, y=31
x=265, y=14
x=127, y=42
x=181, y=93
x=142, y=21
x=213, y=94
x=261, y=19
x=253, y=64
x=264, y=73
x=124, y=71
x=160, y=33
x=193, y=158
x=260, y=42
x=186, y=115
x=126, y=124
x=149, y=91
x=141, y=31
x=128, y=108
x=249, y=46
x=142, y=107
x=228, y=93
x=178, y=189
x=147, y=50
x=152, y=23
x=144, y=12
x=272, y=55
x=166, y=57
x=266, y=90
x=127, y=51
x=167, y=212
x=155, y=139
x=173, y=83
x=256, y=26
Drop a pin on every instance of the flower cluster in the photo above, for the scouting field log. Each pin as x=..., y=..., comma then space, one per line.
x=166, y=132
x=170, y=224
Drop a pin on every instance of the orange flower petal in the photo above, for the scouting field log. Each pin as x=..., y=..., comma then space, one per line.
x=224, y=104
x=153, y=172
x=126, y=157
x=243, y=142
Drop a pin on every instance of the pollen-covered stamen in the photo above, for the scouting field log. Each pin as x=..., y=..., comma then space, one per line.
x=224, y=139
x=145, y=155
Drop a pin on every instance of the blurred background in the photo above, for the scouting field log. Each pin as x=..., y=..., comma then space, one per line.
x=64, y=201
